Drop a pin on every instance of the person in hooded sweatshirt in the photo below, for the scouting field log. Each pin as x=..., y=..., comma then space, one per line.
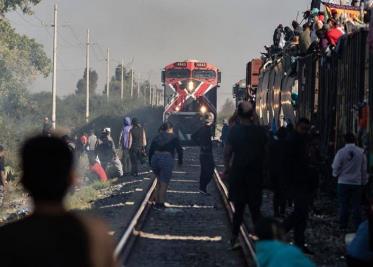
x=270, y=249
x=125, y=145
x=161, y=157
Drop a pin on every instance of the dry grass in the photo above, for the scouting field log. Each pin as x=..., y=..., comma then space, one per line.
x=84, y=197
x=15, y=199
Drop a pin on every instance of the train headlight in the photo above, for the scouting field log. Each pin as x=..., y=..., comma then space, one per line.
x=190, y=86
x=203, y=109
x=177, y=108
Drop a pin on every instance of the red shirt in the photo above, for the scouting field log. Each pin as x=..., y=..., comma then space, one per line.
x=333, y=36
x=97, y=169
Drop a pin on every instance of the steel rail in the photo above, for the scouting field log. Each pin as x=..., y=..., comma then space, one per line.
x=245, y=239
x=122, y=250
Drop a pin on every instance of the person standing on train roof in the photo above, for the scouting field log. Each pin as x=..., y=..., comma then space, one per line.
x=203, y=138
x=244, y=159
x=51, y=235
x=161, y=158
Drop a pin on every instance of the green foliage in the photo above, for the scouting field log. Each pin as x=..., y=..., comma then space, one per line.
x=24, y=5
x=82, y=83
x=226, y=110
x=21, y=60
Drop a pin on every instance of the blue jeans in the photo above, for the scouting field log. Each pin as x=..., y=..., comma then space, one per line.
x=162, y=165
x=349, y=199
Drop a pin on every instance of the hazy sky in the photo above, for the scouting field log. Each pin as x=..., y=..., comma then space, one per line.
x=226, y=33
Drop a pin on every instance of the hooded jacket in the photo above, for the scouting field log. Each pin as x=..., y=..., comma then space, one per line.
x=273, y=253
x=166, y=142
x=124, y=140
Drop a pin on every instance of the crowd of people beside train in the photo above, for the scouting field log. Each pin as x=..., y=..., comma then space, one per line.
x=288, y=161
x=105, y=159
x=319, y=32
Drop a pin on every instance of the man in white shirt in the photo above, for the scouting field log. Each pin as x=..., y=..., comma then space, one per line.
x=350, y=167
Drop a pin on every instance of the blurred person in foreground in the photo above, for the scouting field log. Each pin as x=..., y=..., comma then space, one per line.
x=51, y=235
x=272, y=251
x=203, y=138
x=3, y=180
x=161, y=157
x=360, y=250
x=244, y=156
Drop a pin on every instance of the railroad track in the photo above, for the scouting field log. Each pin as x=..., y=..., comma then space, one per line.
x=196, y=227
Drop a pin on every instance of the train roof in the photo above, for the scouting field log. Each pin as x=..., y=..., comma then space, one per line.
x=191, y=64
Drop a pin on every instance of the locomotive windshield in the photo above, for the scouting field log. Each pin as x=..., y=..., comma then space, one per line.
x=178, y=73
x=204, y=74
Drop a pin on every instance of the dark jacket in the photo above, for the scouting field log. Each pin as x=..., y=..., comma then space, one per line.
x=224, y=133
x=301, y=176
x=138, y=137
x=248, y=144
x=203, y=138
x=105, y=149
x=166, y=142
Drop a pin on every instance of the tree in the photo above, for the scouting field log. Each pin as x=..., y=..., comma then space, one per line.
x=24, y=5
x=21, y=60
x=81, y=86
x=115, y=82
x=227, y=109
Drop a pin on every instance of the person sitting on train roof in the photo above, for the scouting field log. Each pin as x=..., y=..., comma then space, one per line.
x=51, y=235
x=334, y=33
x=272, y=251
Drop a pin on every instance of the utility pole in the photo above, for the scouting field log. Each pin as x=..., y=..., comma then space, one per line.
x=138, y=85
x=150, y=93
x=157, y=98
x=54, y=78
x=108, y=75
x=122, y=81
x=131, y=82
x=87, y=79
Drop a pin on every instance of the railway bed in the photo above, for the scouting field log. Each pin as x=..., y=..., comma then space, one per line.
x=194, y=230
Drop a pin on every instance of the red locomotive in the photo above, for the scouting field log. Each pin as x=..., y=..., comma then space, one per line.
x=190, y=91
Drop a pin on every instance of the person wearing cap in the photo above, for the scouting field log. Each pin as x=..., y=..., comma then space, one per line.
x=202, y=137
x=105, y=149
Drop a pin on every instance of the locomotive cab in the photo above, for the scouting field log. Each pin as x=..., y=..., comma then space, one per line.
x=190, y=92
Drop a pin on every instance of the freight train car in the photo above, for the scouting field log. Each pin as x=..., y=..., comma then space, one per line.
x=331, y=91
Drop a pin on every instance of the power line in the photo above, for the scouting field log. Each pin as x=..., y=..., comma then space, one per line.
x=29, y=23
